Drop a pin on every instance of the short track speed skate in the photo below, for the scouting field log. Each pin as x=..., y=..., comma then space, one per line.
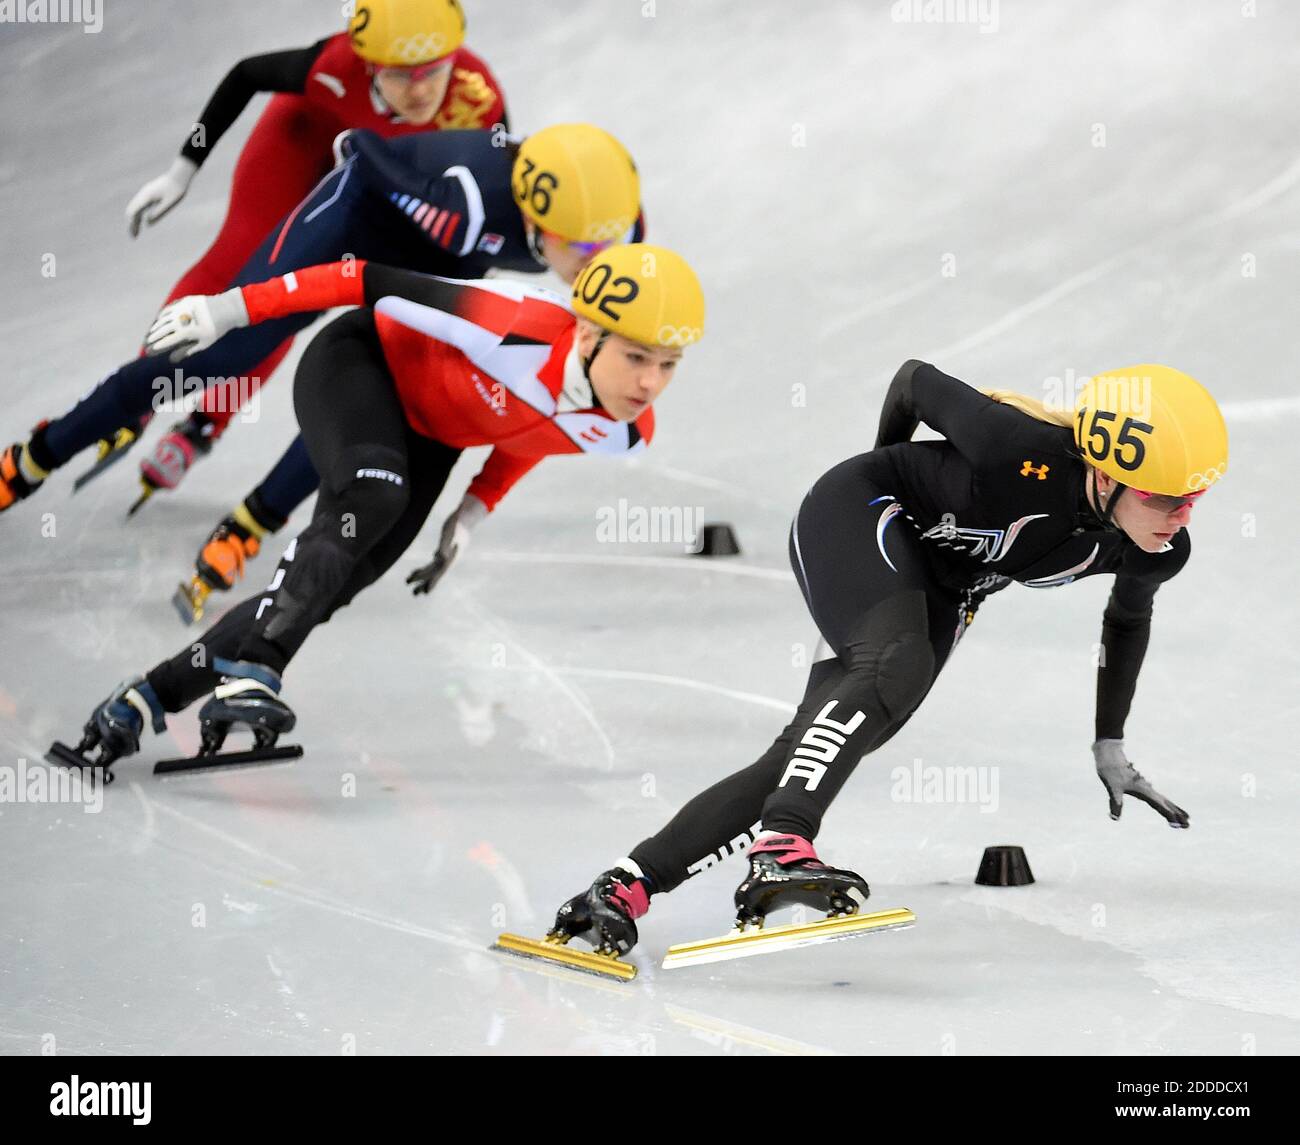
x=248, y=697
x=220, y=563
x=172, y=457
x=111, y=450
x=602, y=916
x=784, y=871
x=114, y=729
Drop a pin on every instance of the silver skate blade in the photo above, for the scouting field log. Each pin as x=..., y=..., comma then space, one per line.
x=226, y=759
x=770, y=940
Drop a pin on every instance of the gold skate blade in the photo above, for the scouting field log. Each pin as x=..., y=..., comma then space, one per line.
x=189, y=599
x=146, y=491
x=605, y=965
x=769, y=940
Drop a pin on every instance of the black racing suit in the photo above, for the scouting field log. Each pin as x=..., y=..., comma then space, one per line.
x=894, y=551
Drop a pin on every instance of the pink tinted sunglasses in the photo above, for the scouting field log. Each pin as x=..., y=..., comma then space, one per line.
x=1168, y=502
x=419, y=71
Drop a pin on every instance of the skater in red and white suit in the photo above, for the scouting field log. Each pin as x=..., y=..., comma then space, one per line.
x=387, y=397
x=400, y=68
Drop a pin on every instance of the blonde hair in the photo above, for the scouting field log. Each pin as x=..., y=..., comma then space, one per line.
x=1032, y=407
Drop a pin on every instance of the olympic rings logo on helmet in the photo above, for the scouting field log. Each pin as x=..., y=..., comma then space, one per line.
x=608, y=231
x=1204, y=480
x=418, y=48
x=678, y=335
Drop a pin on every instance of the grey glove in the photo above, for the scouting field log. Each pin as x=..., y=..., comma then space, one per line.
x=1121, y=778
x=453, y=542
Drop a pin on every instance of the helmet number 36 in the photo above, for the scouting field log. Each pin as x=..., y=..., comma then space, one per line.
x=1100, y=445
x=600, y=282
x=536, y=189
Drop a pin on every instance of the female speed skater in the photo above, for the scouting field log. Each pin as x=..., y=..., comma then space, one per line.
x=387, y=397
x=455, y=203
x=400, y=68
x=894, y=550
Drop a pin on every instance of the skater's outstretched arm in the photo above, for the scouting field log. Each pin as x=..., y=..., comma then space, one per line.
x=284, y=72
x=195, y=322
x=1125, y=632
x=272, y=72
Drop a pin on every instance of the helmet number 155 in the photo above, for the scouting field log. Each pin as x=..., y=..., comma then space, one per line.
x=1099, y=444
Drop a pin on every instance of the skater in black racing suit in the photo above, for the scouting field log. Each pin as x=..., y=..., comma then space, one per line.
x=894, y=551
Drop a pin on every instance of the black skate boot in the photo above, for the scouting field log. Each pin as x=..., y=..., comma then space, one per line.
x=784, y=871
x=114, y=728
x=603, y=914
x=248, y=695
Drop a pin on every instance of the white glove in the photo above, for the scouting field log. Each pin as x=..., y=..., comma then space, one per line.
x=195, y=322
x=342, y=152
x=453, y=543
x=1120, y=778
x=160, y=195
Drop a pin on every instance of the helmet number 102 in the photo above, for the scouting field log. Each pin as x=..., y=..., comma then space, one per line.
x=1098, y=439
x=598, y=282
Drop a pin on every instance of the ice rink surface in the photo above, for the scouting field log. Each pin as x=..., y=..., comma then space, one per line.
x=1064, y=188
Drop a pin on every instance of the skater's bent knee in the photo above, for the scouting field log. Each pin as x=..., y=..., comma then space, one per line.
x=372, y=486
x=900, y=672
x=906, y=669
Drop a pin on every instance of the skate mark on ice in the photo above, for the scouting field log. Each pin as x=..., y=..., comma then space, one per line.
x=688, y=478
x=854, y=315
x=783, y=575
x=223, y=836
x=286, y=993
x=148, y=834
x=1017, y=314
x=498, y=626
x=728, y=1037
x=782, y=706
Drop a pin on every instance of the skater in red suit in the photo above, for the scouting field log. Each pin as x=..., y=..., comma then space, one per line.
x=387, y=397
x=401, y=67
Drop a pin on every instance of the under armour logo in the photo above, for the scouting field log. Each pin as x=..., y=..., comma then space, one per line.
x=1029, y=470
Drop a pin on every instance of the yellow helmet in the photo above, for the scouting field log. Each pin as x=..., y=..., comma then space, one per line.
x=403, y=33
x=578, y=182
x=1152, y=428
x=646, y=293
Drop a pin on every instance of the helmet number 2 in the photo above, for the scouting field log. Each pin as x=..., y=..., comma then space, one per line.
x=362, y=19
x=597, y=282
x=538, y=193
x=1099, y=442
